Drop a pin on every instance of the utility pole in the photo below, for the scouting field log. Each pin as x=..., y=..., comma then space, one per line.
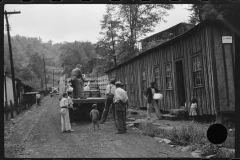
x=45, y=73
x=53, y=78
x=5, y=82
x=11, y=58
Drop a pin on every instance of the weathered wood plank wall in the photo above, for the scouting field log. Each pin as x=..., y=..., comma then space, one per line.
x=217, y=68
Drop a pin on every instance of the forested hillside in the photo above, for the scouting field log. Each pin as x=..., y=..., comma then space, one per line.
x=28, y=55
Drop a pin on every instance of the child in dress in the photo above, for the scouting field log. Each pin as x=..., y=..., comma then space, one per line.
x=94, y=114
x=193, y=109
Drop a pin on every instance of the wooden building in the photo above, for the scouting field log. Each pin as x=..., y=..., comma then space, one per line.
x=165, y=35
x=19, y=86
x=199, y=64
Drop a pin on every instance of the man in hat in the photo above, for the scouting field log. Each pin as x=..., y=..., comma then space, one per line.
x=152, y=102
x=127, y=103
x=77, y=81
x=120, y=101
x=110, y=90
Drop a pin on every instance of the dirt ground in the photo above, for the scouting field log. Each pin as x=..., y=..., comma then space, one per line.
x=36, y=133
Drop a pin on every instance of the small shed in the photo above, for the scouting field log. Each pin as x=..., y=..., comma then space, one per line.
x=199, y=63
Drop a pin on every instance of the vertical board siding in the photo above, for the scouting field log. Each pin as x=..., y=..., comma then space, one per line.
x=205, y=72
x=210, y=68
x=186, y=76
x=219, y=60
x=217, y=68
x=227, y=49
x=175, y=100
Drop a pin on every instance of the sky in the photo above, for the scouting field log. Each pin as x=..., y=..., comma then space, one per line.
x=72, y=22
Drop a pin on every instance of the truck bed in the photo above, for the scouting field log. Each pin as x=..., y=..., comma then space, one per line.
x=90, y=100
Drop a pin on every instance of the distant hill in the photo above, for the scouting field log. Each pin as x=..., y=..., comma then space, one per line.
x=23, y=48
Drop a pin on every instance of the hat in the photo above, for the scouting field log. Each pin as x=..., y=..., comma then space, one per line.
x=112, y=80
x=152, y=83
x=118, y=82
x=94, y=105
x=79, y=65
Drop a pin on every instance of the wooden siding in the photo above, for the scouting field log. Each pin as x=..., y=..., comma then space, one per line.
x=217, y=69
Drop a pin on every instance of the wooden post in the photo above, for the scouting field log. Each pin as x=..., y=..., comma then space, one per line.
x=5, y=81
x=11, y=57
x=45, y=73
x=6, y=110
x=12, y=109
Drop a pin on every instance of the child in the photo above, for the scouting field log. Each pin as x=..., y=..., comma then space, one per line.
x=65, y=123
x=70, y=105
x=193, y=109
x=94, y=114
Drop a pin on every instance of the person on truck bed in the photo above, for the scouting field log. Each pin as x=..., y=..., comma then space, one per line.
x=110, y=90
x=77, y=81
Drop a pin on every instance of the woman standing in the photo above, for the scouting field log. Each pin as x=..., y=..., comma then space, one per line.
x=65, y=122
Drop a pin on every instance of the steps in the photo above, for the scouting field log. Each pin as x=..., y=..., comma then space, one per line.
x=176, y=114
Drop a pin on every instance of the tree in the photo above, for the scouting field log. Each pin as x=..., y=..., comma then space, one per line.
x=106, y=45
x=228, y=12
x=73, y=54
x=196, y=13
x=124, y=24
x=139, y=19
x=36, y=65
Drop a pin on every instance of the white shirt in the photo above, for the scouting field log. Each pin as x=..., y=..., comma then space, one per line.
x=86, y=88
x=120, y=94
x=64, y=102
x=38, y=95
x=70, y=102
x=194, y=105
x=113, y=88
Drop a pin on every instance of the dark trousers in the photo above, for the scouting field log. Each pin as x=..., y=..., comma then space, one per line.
x=38, y=101
x=71, y=115
x=77, y=87
x=120, y=117
x=106, y=109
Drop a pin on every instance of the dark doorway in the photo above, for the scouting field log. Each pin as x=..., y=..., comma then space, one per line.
x=180, y=84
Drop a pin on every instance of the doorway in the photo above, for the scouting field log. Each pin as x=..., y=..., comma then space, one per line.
x=180, y=84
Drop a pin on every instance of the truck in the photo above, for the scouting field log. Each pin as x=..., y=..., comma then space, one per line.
x=83, y=107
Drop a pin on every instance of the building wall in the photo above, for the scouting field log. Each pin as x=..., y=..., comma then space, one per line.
x=216, y=94
x=9, y=90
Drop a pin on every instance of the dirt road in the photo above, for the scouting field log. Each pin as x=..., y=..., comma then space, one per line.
x=36, y=133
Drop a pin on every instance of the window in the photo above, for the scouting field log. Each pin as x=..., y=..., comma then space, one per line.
x=131, y=83
x=197, y=75
x=156, y=76
x=168, y=76
x=144, y=82
x=125, y=87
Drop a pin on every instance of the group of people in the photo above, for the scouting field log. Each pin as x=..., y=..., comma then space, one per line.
x=118, y=99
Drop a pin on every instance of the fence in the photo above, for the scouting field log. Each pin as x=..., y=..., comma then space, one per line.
x=11, y=111
x=103, y=82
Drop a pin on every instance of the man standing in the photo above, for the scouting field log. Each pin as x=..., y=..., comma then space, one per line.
x=152, y=102
x=110, y=90
x=77, y=82
x=120, y=100
x=38, y=96
x=127, y=103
